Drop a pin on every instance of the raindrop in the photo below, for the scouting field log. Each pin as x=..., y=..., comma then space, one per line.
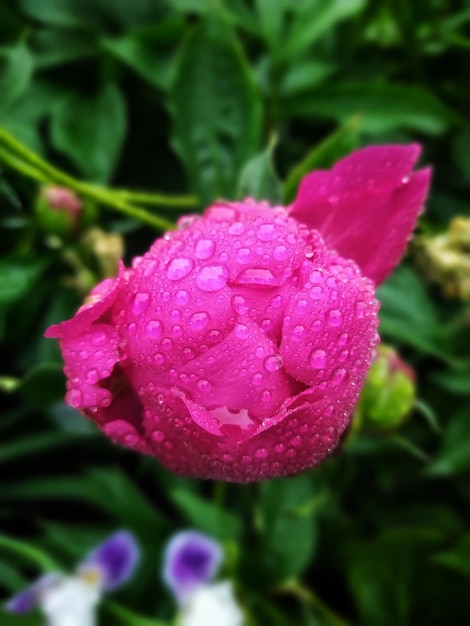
x=360, y=309
x=261, y=453
x=259, y=276
x=99, y=338
x=335, y=317
x=154, y=329
x=339, y=376
x=158, y=436
x=182, y=297
x=266, y=231
x=237, y=228
x=92, y=376
x=239, y=305
x=244, y=256
x=212, y=278
x=199, y=320
x=281, y=253
x=241, y=331
x=204, y=386
x=318, y=359
x=273, y=363
x=179, y=268
x=204, y=249
x=158, y=358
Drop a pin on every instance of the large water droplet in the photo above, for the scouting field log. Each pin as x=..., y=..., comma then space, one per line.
x=281, y=253
x=318, y=359
x=199, y=320
x=261, y=453
x=182, y=297
x=360, y=309
x=241, y=331
x=339, y=376
x=100, y=338
x=212, y=278
x=179, y=268
x=204, y=249
x=266, y=231
x=276, y=302
x=316, y=292
x=73, y=397
x=158, y=436
x=240, y=305
x=273, y=362
x=298, y=333
x=259, y=276
x=335, y=317
x=244, y=256
x=237, y=228
x=154, y=329
x=177, y=330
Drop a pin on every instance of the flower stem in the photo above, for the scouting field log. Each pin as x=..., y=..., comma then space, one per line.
x=22, y=159
x=295, y=588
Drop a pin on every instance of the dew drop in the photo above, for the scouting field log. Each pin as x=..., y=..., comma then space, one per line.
x=360, y=309
x=266, y=396
x=259, y=276
x=261, y=453
x=237, y=228
x=339, y=376
x=266, y=231
x=281, y=253
x=298, y=333
x=212, y=278
x=199, y=320
x=244, y=256
x=296, y=441
x=276, y=302
x=92, y=376
x=167, y=344
x=316, y=292
x=177, y=330
x=182, y=297
x=343, y=339
x=158, y=436
x=257, y=379
x=241, y=331
x=318, y=359
x=158, y=358
x=204, y=386
x=140, y=303
x=204, y=249
x=279, y=448
x=239, y=305
x=154, y=329
x=179, y=268
x=74, y=398
x=273, y=363
x=301, y=306
x=99, y=338
x=335, y=317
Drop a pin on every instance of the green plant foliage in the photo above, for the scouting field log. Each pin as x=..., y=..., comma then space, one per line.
x=152, y=109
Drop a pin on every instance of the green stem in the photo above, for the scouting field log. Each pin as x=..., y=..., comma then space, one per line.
x=40, y=558
x=296, y=589
x=39, y=169
x=157, y=199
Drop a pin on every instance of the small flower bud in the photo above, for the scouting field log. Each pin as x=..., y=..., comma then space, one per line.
x=59, y=211
x=388, y=393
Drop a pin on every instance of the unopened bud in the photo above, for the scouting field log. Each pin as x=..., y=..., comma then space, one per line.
x=446, y=258
x=59, y=211
x=388, y=394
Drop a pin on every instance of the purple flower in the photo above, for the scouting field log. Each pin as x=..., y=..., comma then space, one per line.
x=114, y=560
x=191, y=559
x=72, y=599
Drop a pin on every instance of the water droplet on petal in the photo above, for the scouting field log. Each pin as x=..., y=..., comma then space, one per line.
x=237, y=228
x=266, y=231
x=212, y=278
x=99, y=338
x=257, y=379
x=281, y=253
x=335, y=317
x=343, y=339
x=241, y=331
x=240, y=305
x=301, y=306
x=273, y=362
x=318, y=359
x=199, y=320
x=339, y=376
x=154, y=329
x=259, y=276
x=158, y=436
x=244, y=256
x=266, y=396
x=360, y=309
x=92, y=376
x=276, y=302
x=73, y=397
x=182, y=297
x=298, y=333
x=204, y=249
x=158, y=358
x=261, y=453
x=179, y=268
x=204, y=386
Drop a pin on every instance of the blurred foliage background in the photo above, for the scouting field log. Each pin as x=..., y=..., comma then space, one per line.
x=200, y=99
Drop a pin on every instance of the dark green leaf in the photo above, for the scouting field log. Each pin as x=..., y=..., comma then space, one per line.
x=16, y=66
x=258, y=179
x=18, y=275
x=206, y=516
x=457, y=557
x=454, y=455
x=382, y=106
x=91, y=130
x=55, y=46
x=216, y=109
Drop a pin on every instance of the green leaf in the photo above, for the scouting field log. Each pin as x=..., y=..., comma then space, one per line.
x=56, y=46
x=312, y=20
x=258, y=179
x=150, y=52
x=18, y=274
x=287, y=508
x=454, y=454
x=456, y=558
x=91, y=130
x=216, y=109
x=304, y=75
x=28, y=552
x=407, y=313
x=33, y=444
x=16, y=66
x=9, y=619
x=382, y=106
x=204, y=515
x=324, y=155
x=43, y=385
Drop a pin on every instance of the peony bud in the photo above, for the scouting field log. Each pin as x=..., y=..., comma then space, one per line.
x=59, y=211
x=388, y=394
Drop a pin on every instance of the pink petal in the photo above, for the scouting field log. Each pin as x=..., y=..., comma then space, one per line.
x=366, y=206
x=330, y=328
x=100, y=300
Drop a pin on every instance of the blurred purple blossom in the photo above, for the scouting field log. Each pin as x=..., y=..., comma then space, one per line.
x=191, y=559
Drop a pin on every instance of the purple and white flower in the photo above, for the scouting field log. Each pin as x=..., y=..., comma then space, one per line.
x=72, y=600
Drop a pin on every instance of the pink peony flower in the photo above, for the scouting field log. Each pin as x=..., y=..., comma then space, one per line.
x=235, y=349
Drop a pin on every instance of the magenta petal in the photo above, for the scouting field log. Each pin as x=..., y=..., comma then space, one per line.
x=366, y=206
